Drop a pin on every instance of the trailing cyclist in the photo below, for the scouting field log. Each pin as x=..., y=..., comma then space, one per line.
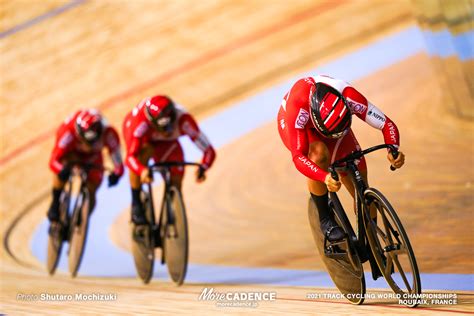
x=80, y=139
x=151, y=130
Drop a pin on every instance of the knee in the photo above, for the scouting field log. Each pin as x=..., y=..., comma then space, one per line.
x=319, y=154
x=146, y=153
x=57, y=183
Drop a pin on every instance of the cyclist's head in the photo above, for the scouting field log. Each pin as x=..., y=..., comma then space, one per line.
x=161, y=112
x=89, y=125
x=329, y=111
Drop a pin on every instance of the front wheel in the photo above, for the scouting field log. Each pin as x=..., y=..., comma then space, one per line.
x=391, y=248
x=143, y=245
x=176, y=243
x=56, y=233
x=78, y=231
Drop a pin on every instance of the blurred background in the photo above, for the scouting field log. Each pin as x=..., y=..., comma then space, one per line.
x=230, y=63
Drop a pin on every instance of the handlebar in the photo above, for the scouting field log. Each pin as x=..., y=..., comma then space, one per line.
x=359, y=154
x=86, y=166
x=169, y=164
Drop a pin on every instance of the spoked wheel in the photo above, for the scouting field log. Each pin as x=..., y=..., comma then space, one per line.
x=143, y=244
x=344, y=266
x=57, y=235
x=176, y=238
x=78, y=231
x=391, y=248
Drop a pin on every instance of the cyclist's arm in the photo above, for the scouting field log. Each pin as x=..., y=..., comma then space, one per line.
x=188, y=126
x=112, y=142
x=61, y=148
x=296, y=103
x=372, y=115
x=299, y=145
x=134, y=148
x=132, y=161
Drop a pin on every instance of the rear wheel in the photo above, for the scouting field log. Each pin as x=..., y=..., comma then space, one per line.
x=344, y=266
x=392, y=249
x=79, y=228
x=143, y=246
x=176, y=243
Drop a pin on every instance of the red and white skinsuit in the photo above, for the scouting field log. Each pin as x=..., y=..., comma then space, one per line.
x=298, y=132
x=139, y=132
x=69, y=148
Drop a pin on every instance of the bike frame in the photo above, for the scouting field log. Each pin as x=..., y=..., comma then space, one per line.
x=362, y=213
x=76, y=213
x=165, y=209
x=81, y=171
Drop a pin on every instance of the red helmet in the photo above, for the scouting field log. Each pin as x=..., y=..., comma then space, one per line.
x=161, y=112
x=89, y=125
x=329, y=111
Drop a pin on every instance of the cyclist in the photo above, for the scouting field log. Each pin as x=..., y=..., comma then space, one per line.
x=314, y=122
x=151, y=130
x=80, y=139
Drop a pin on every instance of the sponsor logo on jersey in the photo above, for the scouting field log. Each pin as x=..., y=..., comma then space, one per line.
x=308, y=163
x=189, y=130
x=140, y=130
x=356, y=107
x=283, y=104
x=112, y=141
x=309, y=80
x=377, y=116
x=133, y=163
x=302, y=119
x=392, y=132
x=202, y=142
x=65, y=140
x=282, y=123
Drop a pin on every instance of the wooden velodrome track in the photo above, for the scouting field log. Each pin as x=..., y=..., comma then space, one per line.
x=209, y=55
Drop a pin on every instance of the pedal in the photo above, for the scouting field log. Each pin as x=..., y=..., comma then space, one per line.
x=332, y=249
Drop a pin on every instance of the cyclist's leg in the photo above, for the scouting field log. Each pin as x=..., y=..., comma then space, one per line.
x=348, y=145
x=344, y=147
x=58, y=186
x=94, y=179
x=138, y=211
x=319, y=153
x=171, y=151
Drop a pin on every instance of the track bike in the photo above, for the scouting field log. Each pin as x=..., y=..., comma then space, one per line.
x=71, y=228
x=379, y=239
x=170, y=233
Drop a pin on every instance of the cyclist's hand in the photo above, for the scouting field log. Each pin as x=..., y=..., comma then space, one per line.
x=64, y=174
x=145, y=176
x=200, y=174
x=333, y=185
x=397, y=163
x=113, y=179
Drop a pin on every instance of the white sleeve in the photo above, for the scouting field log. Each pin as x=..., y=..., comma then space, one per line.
x=375, y=117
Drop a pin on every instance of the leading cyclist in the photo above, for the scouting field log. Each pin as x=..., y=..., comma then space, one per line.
x=314, y=122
